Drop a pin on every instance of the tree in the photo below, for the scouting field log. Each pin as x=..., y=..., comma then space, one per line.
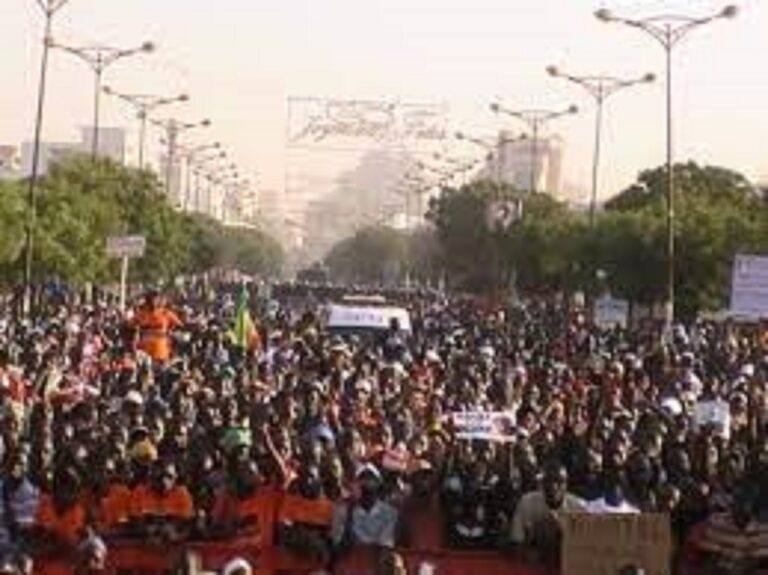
x=81, y=203
x=537, y=250
x=11, y=222
x=374, y=254
x=718, y=214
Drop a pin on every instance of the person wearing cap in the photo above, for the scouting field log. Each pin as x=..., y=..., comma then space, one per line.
x=367, y=520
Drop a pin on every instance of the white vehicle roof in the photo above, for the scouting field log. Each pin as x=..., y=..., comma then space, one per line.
x=342, y=316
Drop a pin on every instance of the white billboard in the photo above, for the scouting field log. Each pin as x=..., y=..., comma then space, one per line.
x=323, y=121
x=749, y=288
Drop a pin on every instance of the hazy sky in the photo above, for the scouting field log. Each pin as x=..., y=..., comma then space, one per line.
x=241, y=59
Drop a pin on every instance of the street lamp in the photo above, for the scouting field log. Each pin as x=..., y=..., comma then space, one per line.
x=197, y=169
x=600, y=88
x=99, y=58
x=191, y=154
x=173, y=128
x=535, y=119
x=50, y=8
x=669, y=30
x=145, y=104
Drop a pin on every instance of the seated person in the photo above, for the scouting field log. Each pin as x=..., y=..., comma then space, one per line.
x=535, y=525
x=162, y=509
x=366, y=519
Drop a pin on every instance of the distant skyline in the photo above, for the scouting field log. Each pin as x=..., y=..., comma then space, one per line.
x=241, y=59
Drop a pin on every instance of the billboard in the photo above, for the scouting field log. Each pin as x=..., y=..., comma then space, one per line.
x=332, y=122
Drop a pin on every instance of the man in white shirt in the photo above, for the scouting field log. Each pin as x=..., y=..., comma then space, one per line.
x=368, y=521
x=535, y=525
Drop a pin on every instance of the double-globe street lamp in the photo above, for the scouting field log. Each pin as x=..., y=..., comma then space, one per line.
x=669, y=30
x=145, y=104
x=535, y=119
x=600, y=87
x=99, y=58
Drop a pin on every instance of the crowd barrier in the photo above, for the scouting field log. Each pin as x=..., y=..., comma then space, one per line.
x=137, y=557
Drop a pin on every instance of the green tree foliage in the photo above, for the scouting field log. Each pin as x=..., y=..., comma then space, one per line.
x=11, y=221
x=380, y=254
x=81, y=203
x=719, y=214
x=373, y=254
x=539, y=250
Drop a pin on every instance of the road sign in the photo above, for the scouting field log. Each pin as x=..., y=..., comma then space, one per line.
x=126, y=246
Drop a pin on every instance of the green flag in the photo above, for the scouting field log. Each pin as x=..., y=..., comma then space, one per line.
x=244, y=332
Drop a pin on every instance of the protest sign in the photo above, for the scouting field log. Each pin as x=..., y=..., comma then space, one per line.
x=603, y=544
x=749, y=287
x=716, y=414
x=485, y=425
x=611, y=312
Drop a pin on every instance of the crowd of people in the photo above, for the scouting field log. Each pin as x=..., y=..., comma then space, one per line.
x=155, y=426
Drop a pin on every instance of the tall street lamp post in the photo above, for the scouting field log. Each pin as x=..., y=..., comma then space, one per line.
x=145, y=104
x=49, y=8
x=669, y=30
x=202, y=167
x=99, y=58
x=173, y=128
x=191, y=155
x=600, y=88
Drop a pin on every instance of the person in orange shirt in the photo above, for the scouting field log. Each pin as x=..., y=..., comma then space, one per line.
x=245, y=506
x=155, y=323
x=60, y=526
x=110, y=500
x=162, y=510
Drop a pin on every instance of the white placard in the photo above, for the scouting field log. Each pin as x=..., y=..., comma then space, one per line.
x=126, y=246
x=611, y=312
x=749, y=288
x=716, y=413
x=496, y=426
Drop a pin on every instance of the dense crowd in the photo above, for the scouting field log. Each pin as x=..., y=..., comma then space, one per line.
x=158, y=426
